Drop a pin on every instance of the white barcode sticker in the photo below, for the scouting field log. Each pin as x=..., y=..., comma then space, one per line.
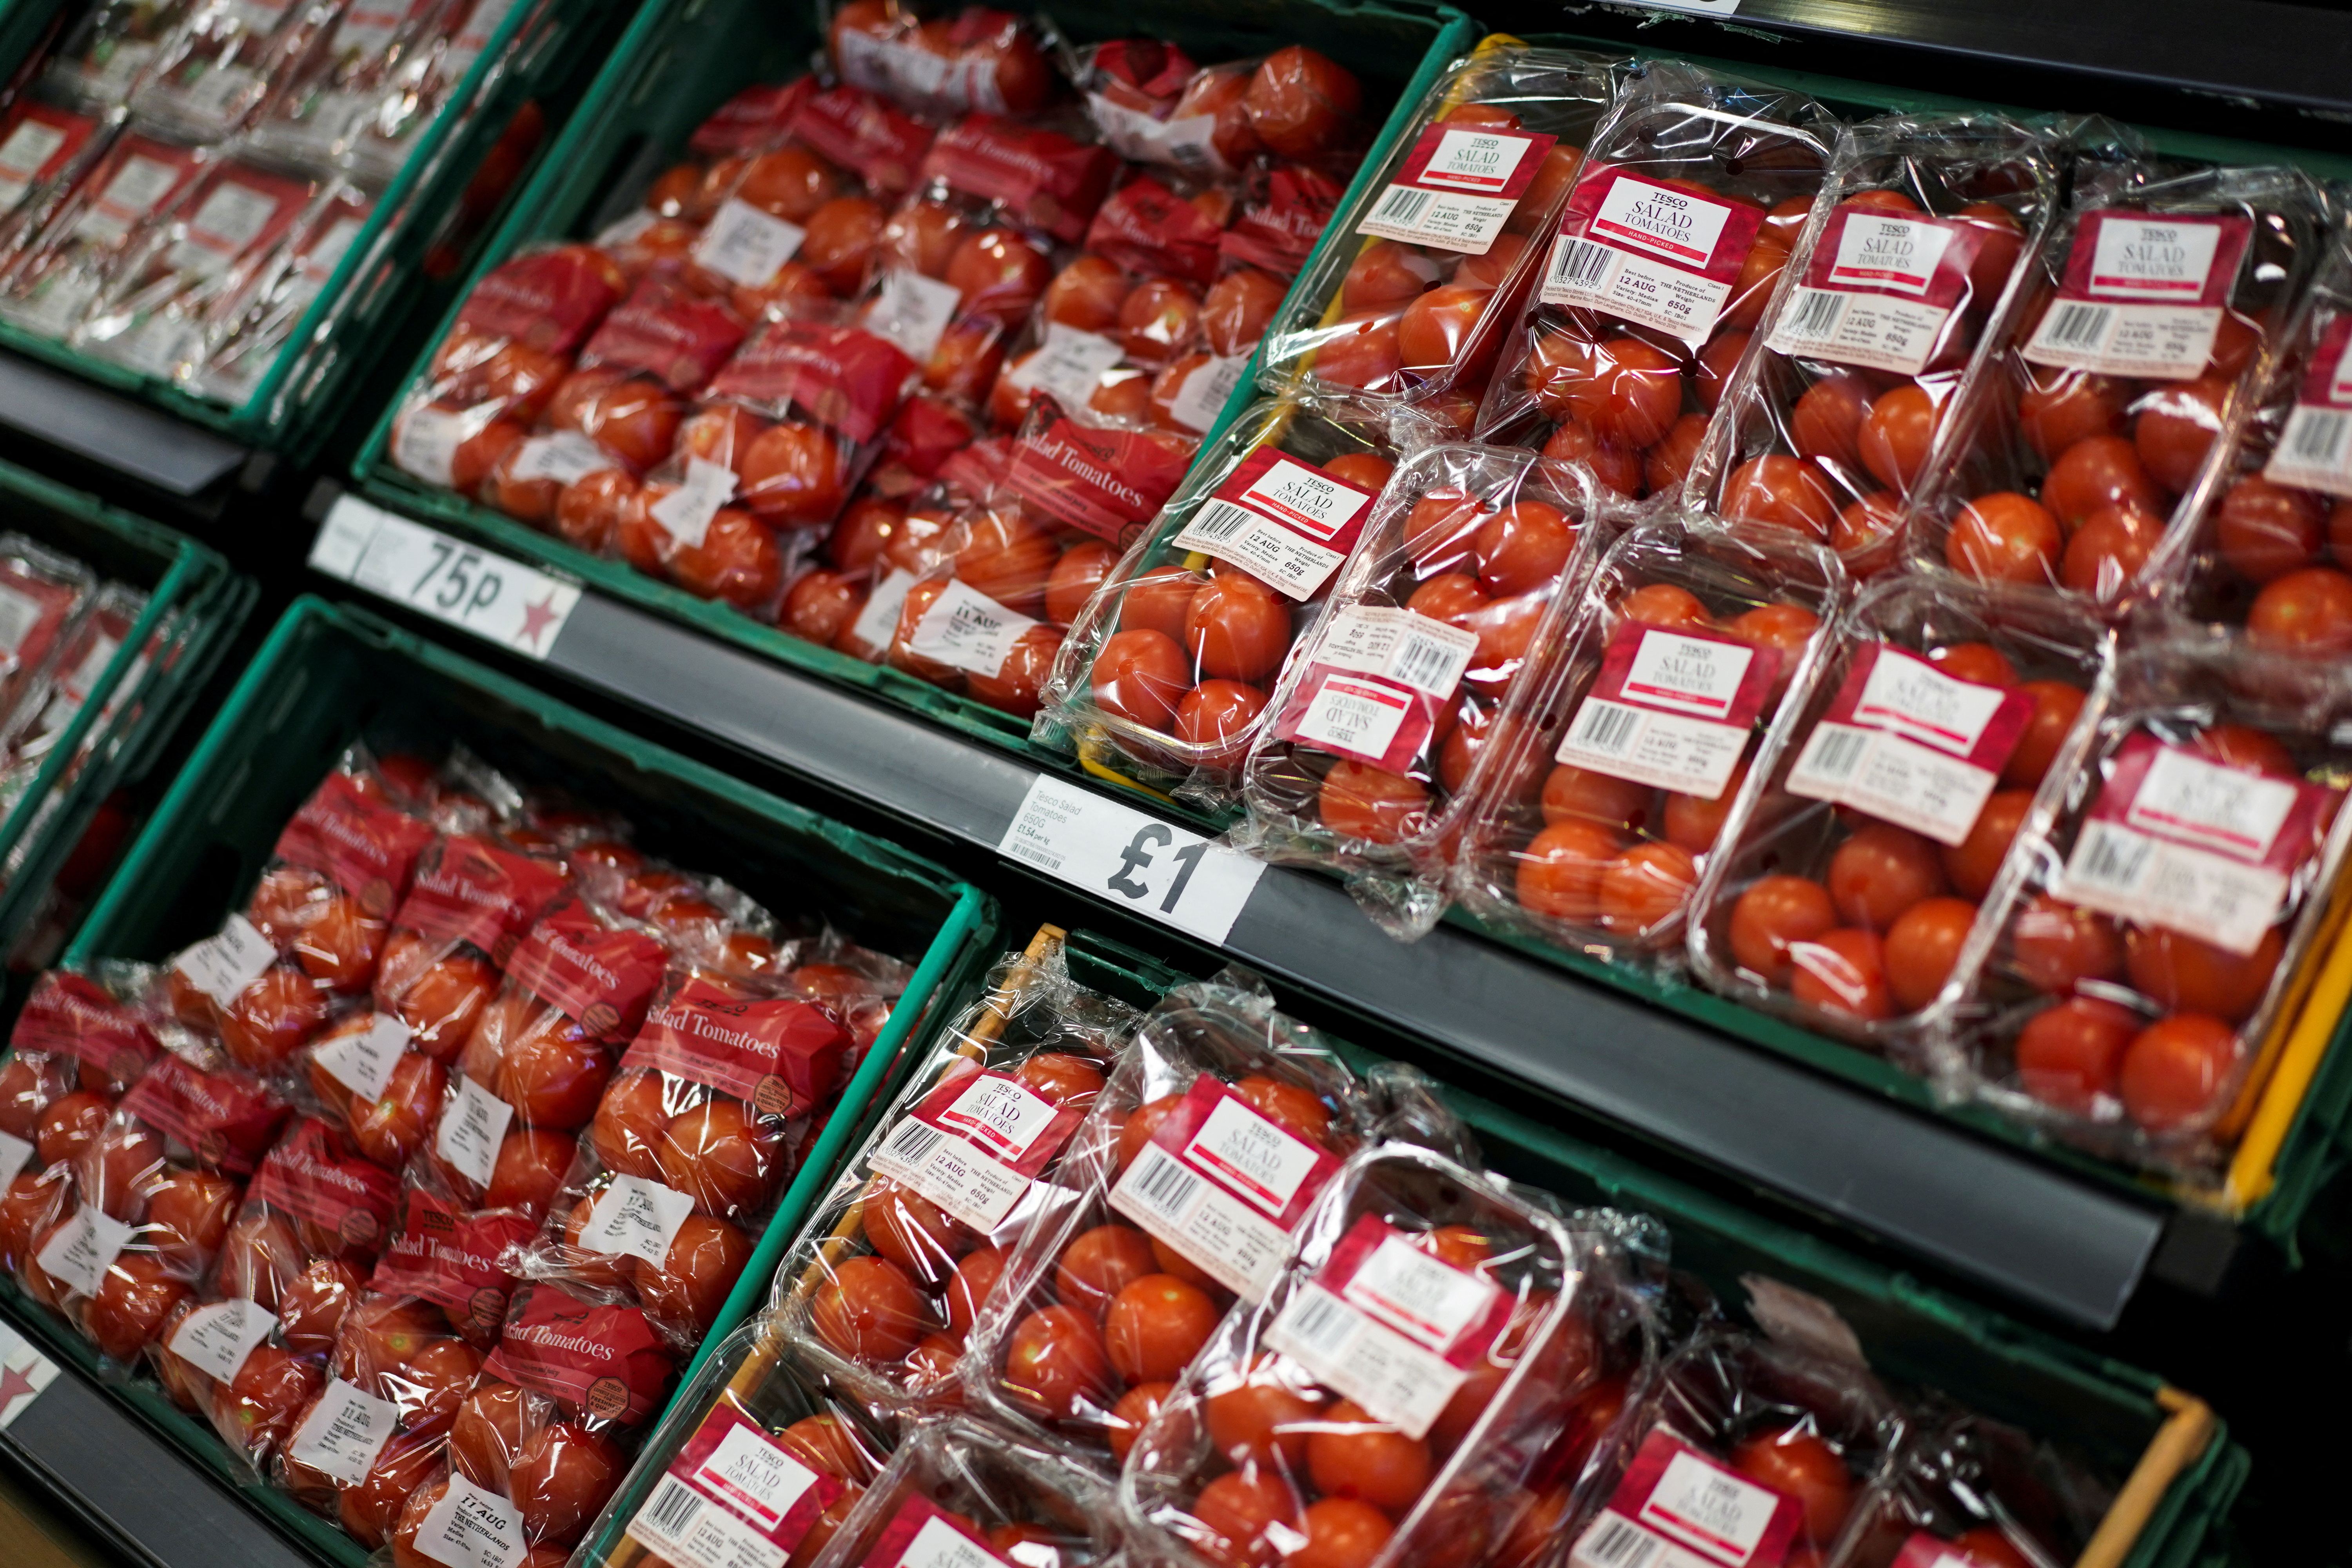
x=2159, y=342
x=682, y=1526
x=221, y=966
x=969, y=1184
x=472, y=1527
x=1875, y=330
x=83, y=1248
x=1891, y=777
x=2314, y=451
x=912, y=312
x=1446, y=219
x=1616, y=1542
x=1392, y=1378
x=634, y=1217
x=2122, y=872
x=1289, y=525
x=33, y=143
x=567, y=457
x=1234, y=1240
x=1206, y=390
x=877, y=623
x=1133, y=134
x=346, y=1429
x=746, y=246
x=363, y=1060
x=133, y=192
x=1069, y=365
x=1690, y=756
x=471, y=1129
x=217, y=1338
x=1599, y=277
x=1427, y=655
x=686, y=512
x=965, y=629
x=426, y=440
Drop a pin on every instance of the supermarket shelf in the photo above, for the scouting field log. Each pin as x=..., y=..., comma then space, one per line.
x=2070, y=1247
x=115, y=432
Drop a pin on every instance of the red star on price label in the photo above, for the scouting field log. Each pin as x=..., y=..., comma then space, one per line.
x=13, y=1386
x=536, y=620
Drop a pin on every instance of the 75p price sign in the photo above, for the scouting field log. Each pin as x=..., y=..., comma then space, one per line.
x=516, y=606
x=1130, y=857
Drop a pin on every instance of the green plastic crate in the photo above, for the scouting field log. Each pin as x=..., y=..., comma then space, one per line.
x=680, y=61
x=1912, y=1331
x=298, y=403
x=328, y=674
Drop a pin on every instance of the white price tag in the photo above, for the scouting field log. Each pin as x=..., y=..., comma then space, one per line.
x=877, y=623
x=344, y=1432
x=501, y=601
x=14, y=1155
x=966, y=629
x=471, y=1528
x=1161, y=871
x=567, y=457
x=84, y=1248
x=215, y=1340
x=1400, y=645
x=686, y=512
x=362, y=1062
x=912, y=312
x=746, y=246
x=24, y=1373
x=471, y=1129
x=1396, y=1379
x=1069, y=364
x=1202, y=396
x=636, y=1218
x=221, y=966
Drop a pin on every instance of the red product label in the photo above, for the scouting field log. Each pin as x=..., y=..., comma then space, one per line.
x=999, y=1116
x=222, y=219
x=1045, y=179
x=1108, y=482
x=597, y=1361
x=1696, y=674
x=2174, y=793
x=779, y=1053
x=1147, y=227
x=314, y=1176
x=2329, y=383
x=71, y=1014
x=1217, y=1133
x=843, y=377
x=441, y=1253
x=1377, y=1270
x=735, y=1463
x=1281, y=220
x=589, y=972
x=667, y=333
x=1907, y=256
x=860, y=130
x=227, y=1122
x=468, y=890
x=1672, y=1493
x=1903, y=694
x=759, y=116
x=551, y=300
x=1705, y=233
x=28, y=157
x=1155, y=70
x=132, y=201
x=365, y=847
x=2156, y=258
x=979, y=465
x=1502, y=167
x=922, y=1534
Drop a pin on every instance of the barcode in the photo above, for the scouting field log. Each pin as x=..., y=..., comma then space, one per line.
x=1165, y=1186
x=1817, y=313
x=1220, y=520
x=1606, y=726
x=2317, y=435
x=2078, y=326
x=1323, y=1323
x=673, y=1508
x=913, y=1141
x=1579, y=261
x=1402, y=204
x=1425, y=664
x=2110, y=857
x=1615, y=1542
x=1837, y=751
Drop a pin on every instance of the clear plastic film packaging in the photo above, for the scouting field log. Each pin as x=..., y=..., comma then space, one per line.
x=959, y=1490
x=212, y=72
x=1964, y=1488
x=1944, y=726
x=357, y=101
x=1658, y=272
x=474, y=897
x=2267, y=541
x=1462, y=587
x=2154, y=304
x=1192, y=1172
x=941, y=61
x=882, y=1289
x=1901, y=279
x=251, y=326
x=2147, y=940
x=44, y=594
x=1443, y=248
x=1608, y=797
x=44, y=148
x=1231, y=576
x=1427, y=1342
x=760, y=1447
x=91, y=234
x=109, y=49
x=1152, y=105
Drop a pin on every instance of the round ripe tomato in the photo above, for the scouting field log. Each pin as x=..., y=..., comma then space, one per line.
x=2054, y=945
x=2004, y=537
x=1643, y=887
x=1299, y=102
x=2058, y=408
x=1492, y=270
x=2305, y=612
x=1288, y=1105
x=1351, y=1455
x=2239, y=746
x=1881, y=871
x=1922, y=946
x=591, y=514
x=24, y=1209
x=1436, y=326
x=482, y=453
x=255, y=1408
x=1808, y=1469
x=1056, y=1366
x=1264, y=1419
x=562, y=1479
x=1140, y=674
x=2056, y=705
x=821, y=606
x=1014, y=688
x=840, y=240
x=1441, y=530
x=1217, y=714
x=911, y=1231
x=119, y=1167
x=2266, y=530
x=1063, y=1078
x=997, y=273
x=1716, y=362
x=270, y=1020
x=1635, y=395
x=1157, y=318
x=531, y=1166
x=1086, y=294
x=1237, y=629
x=718, y=1155
x=1663, y=605
x=1156, y=1325
x=629, y=1123
x=70, y=1124
x=1664, y=467
x=1972, y=862
x=1780, y=491
x=1784, y=627
x=1099, y=1264
x=188, y=1211
x=924, y=235
x=1340, y=1532
x=313, y=1304
x=789, y=182
x=1759, y=274
x=1368, y=470
x=1141, y=1122
x=390, y=1129
x=1695, y=823
x=1493, y=114
x=1559, y=873
x=1157, y=600
x=684, y=1295
x=2109, y=551
x=338, y=946
x=2173, y=1070
x=2176, y=427
x=1128, y=1416
x=1452, y=597
x=2094, y=474
x=134, y=1296
x=1234, y=1515
x=1173, y=1262
x=827, y=1446
x=1458, y=753
x=1771, y=917
x=488, y=1433
x=1360, y=801
x=636, y=418
x=552, y=1079
x=368, y=1508
x=793, y=474
x=2001, y=239
x=1386, y=273
x=2184, y=974
x=1827, y=420
x=1522, y=548
x=1866, y=534
x=869, y=1310
x=1546, y=192
x=1537, y=1521
x=1895, y=440
x=2067, y=1054
x=1238, y=308
x=1077, y=573
x=1361, y=351
x=970, y=1286
x=1571, y=794
x=1841, y=970
x=966, y=359
x=1889, y=201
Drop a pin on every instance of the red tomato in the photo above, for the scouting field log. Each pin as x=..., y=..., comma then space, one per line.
x=1663, y=469
x=1827, y=420
x=1086, y=294
x=1922, y=946
x=2094, y=473
x=2004, y=537
x=1972, y=862
x=1237, y=629
x=1440, y=530
x=1716, y=362
x=2060, y=407
x=633, y=417
x=1760, y=273
x=1217, y=713
x=629, y=1123
x=2067, y=1054
x=2173, y=1070
x=1299, y=102
x=1076, y=575
x=2109, y=551
x=789, y=182
x=1157, y=601
x=821, y=606
x=1492, y=270
x=869, y=1310
x=1771, y=917
x=531, y=1166
x=1340, y=1533
x=369, y=1508
x=562, y=1480
x=1361, y=351
x=1159, y=317
x=1841, y=970
x=270, y=1020
x=1238, y=308
x=255, y=1410
x=684, y=1295
x=1894, y=440
x=2056, y=705
x=1783, y=492
x=1100, y=1263
x=2305, y=612
x=188, y=1213
x=793, y=474
x=1808, y=1469
x=1663, y=605
x=1436, y=325
x=1385, y=272
x=720, y=1156
x=2001, y=239
x=911, y=1231
x=997, y=273
x=1645, y=887
x=2184, y=974
x=969, y=1289
x=1235, y=1516
x=1127, y=1417
x=1156, y=1325
x=2238, y=746
x=1360, y=801
x=1522, y=548
x=1559, y=871
x=840, y=240
x=2054, y=945
x=1986, y=1546
x=2176, y=427
x=1054, y=1364
x=1881, y=871
x=1289, y=1105
x=1061, y=1077
x=71, y=1123
x=2266, y=530
x=592, y=513
x=1140, y=674
x=388, y=1131
x=488, y=1433
x=1351, y=1455
x=1014, y=688
x=1628, y=391
x=1866, y=534
x=134, y=1297
x=1571, y=794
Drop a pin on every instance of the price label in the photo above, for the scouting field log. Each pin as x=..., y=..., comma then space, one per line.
x=471, y=1129
x=1161, y=871
x=24, y=1373
x=518, y=607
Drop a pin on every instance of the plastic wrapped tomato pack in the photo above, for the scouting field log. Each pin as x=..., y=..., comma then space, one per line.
x=79, y=1041
x=761, y=1445
x=959, y=1490
x=1607, y=799
x=2268, y=545
x=1670, y=246
x=368, y=71
x=2148, y=944
x=1180, y=640
x=1965, y=1488
x=247, y=329
x=1463, y=584
x=1152, y=104
x=473, y=899
x=108, y=48
x=1221, y=1125
x=211, y=73
x=884, y=1285
x=44, y=594
x=2153, y=303
x=1909, y=270
x=1943, y=727
x=946, y=62
x=1742, y=1438
x=44, y=148
x=1443, y=245
x=1427, y=1340
x=83, y=659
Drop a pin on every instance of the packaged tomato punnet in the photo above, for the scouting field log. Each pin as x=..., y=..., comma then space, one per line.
x=1174, y=645
x=2153, y=304
x=44, y=594
x=2268, y=538
x=246, y=329
x=946, y=64
x=883, y=1286
x=1658, y=272
x=1607, y=798
x=961, y=1492
x=1905, y=275
x=1946, y=725
x=2148, y=946
x=211, y=73
x=1461, y=586
x=1442, y=245
x=371, y=73
x=1152, y=105
x=79, y=1041
x=44, y=148
x=1968, y=1492
x=1426, y=1342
